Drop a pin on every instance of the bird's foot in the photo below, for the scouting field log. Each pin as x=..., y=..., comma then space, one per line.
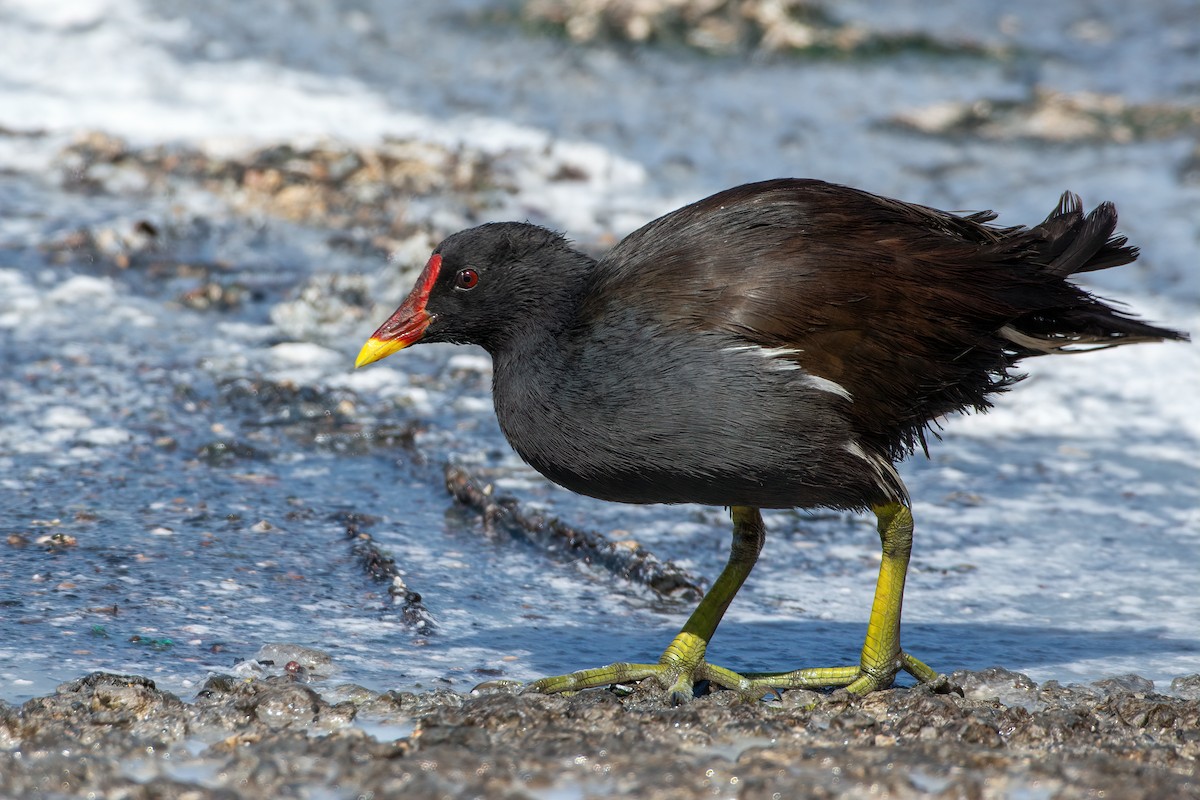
x=679, y=679
x=680, y=668
x=858, y=679
x=679, y=682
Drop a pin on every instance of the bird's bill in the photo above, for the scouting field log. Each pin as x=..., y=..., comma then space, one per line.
x=403, y=328
x=407, y=325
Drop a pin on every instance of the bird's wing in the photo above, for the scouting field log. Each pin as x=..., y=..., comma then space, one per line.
x=899, y=305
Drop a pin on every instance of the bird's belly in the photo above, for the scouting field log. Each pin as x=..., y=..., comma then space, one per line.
x=836, y=483
x=705, y=422
x=753, y=457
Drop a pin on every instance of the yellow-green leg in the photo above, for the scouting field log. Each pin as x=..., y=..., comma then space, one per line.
x=881, y=657
x=682, y=664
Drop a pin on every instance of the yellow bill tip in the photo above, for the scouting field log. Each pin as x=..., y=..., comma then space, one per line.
x=375, y=349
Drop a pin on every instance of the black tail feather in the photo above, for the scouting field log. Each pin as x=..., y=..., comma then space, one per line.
x=1073, y=243
x=1068, y=243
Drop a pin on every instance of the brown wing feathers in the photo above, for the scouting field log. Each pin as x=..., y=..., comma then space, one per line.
x=915, y=312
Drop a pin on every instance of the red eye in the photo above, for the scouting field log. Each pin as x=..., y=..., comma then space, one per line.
x=466, y=279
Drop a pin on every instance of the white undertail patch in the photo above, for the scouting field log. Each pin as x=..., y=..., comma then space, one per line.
x=1068, y=345
x=885, y=472
x=1029, y=342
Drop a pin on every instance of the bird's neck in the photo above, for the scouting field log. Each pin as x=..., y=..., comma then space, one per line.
x=535, y=351
x=532, y=361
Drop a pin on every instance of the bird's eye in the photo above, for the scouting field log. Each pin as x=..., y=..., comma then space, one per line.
x=466, y=279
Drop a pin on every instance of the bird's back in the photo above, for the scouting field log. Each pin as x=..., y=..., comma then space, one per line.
x=912, y=312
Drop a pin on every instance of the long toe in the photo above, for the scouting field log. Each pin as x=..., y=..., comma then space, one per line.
x=678, y=681
x=854, y=679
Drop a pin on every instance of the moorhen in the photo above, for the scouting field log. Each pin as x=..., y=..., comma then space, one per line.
x=779, y=344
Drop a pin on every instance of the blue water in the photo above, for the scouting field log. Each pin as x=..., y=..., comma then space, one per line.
x=1059, y=535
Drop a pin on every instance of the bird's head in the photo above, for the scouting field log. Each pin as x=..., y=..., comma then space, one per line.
x=484, y=286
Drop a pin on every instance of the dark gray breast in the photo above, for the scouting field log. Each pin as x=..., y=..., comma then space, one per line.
x=625, y=413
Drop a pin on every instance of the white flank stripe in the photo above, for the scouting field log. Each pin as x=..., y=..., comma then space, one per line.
x=883, y=468
x=826, y=385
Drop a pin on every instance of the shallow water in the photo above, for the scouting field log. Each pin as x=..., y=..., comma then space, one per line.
x=1058, y=535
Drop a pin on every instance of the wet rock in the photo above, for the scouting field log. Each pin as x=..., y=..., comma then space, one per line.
x=625, y=559
x=1187, y=687
x=315, y=664
x=278, y=737
x=317, y=416
x=729, y=26
x=334, y=184
x=284, y=403
x=1050, y=116
x=101, y=711
x=255, y=707
x=1002, y=685
x=214, y=296
x=10, y=726
x=1125, y=684
x=1052, y=693
x=1057, y=728
x=225, y=451
x=382, y=567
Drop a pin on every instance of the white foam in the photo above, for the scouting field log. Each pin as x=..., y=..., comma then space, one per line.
x=66, y=417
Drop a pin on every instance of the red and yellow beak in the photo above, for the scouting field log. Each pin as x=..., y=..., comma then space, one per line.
x=408, y=324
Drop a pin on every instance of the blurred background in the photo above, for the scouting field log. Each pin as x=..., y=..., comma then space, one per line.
x=206, y=208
